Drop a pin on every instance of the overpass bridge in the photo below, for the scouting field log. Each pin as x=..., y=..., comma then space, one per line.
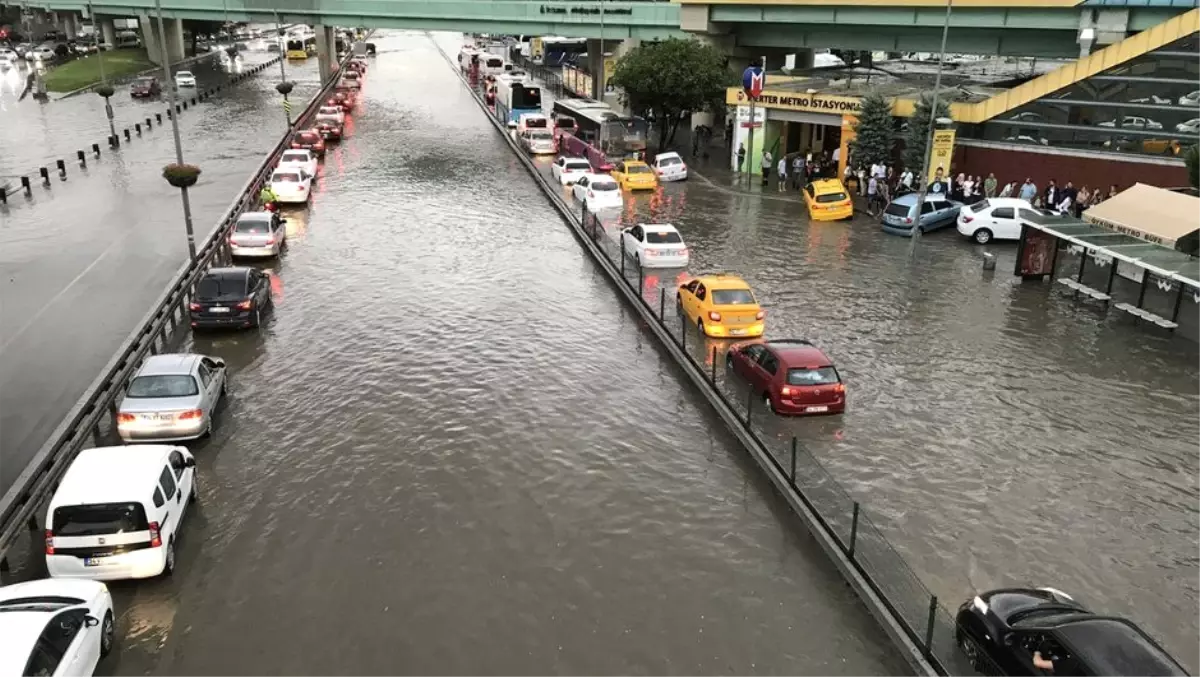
x=1042, y=28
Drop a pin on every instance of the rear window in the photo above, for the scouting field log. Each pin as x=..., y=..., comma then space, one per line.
x=285, y=177
x=732, y=297
x=221, y=287
x=831, y=197
x=306, y=137
x=606, y=185
x=541, y=136
x=252, y=226
x=637, y=169
x=668, y=161
x=163, y=385
x=330, y=110
x=536, y=123
x=579, y=166
x=895, y=209
x=812, y=377
x=980, y=206
x=294, y=157
x=495, y=63
x=99, y=519
x=663, y=238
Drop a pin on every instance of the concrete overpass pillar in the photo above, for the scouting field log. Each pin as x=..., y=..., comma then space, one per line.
x=108, y=32
x=158, y=46
x=595, y=52
x=69, y=25
x=326, y=51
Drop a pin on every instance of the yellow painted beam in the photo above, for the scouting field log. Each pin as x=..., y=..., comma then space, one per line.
x=982, y=4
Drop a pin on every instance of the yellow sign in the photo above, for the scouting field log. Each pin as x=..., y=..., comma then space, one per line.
x=797, y=101
x=848, y=134
x=610, y=67
x=941, y=152
x=536, y=48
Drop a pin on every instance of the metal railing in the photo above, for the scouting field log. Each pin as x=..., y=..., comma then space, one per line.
x=912, y=616
x=85, y=423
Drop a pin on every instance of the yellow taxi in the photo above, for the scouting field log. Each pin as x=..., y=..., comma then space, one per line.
x=634, y=175
x=721, y=305
x=828, y=200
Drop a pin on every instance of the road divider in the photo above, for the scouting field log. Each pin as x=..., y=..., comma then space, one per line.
x=912, y=617
x=94, y=413
x=114, y=141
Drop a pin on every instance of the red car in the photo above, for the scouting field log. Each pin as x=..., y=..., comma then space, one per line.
x=309, y=139
x=330, y=130
x=792, y=376
x=489, y=96
x=145, y=88
x=343, y=99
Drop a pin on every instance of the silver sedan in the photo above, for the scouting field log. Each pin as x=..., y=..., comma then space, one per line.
x=172, y=398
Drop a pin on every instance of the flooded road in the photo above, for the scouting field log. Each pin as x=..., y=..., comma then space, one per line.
x=998, y=433
x=451, y=450
x=90, y=260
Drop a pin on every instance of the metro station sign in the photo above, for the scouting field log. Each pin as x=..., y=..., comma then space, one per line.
x=753, y=80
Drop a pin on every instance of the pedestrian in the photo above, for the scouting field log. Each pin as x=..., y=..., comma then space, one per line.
x=1052, y=196
x=1028, y=190
x=938, y=185
x=906, y=179
x=1083, y=201
x=267, y=197
x=861, y=175
x=1071, y=194
x=1112, y=191
x=767, y=163
x=741, y=156
x=968, y=187
x=989, y=186
x=797, y=170
x=783, y=168
x=872, y=195
x=1009, y=189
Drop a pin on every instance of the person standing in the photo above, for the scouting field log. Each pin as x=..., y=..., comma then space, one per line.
x=1083, y=201
x=797, y=171
x=767, y=163
x=783, y=168
x=741, y=156
x=989, y=185
x=1052, y=196
x=1028, y=191
x=872, y=195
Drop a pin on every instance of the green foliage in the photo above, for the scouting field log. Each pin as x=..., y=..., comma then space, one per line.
x=873, y=140
x=916, y=139
x=1191, y=158
x=181, y=176
x=672, y=77
x=85, y=71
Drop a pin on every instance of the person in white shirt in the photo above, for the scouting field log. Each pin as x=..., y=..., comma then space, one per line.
x=907, y=179
x=783, y=169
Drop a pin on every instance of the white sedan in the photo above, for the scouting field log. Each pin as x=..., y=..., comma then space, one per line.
x=300, y=159
x=655, y=245
x=1133, y=122
x=55, y=626
x=670, y=167
x=333, y=111
x=1190, y=127
x=566, y=170
x=185, y=79
x=597, y=191
x=291, y=185
x=996, y=218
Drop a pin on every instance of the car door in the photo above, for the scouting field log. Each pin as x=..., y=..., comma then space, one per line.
x=747, y=360
x=219, y=375
x=556, y=168
x=633, y=237
x=185, y=478
x=63, y=643
x=1004, y=223
x=207, y=388
x=278, y=231
x=579, y=190
x=699, y=302
x=260, y=289
x=174, y=503
x=687, y=297
x=764, y=370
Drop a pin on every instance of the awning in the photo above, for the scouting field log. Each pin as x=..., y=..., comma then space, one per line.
x=1153, y=214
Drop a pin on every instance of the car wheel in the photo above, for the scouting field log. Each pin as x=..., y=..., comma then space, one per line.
x=169, y=564
x=107, y=634
x=982, y=236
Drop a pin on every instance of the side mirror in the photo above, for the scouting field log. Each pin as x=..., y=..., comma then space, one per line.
x=1009, y=639
x=189, y=462
x=91, y=621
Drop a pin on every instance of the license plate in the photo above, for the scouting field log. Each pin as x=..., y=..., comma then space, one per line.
x=816, y=410
x=95, y=561
x=737, y=332
x=218, y=309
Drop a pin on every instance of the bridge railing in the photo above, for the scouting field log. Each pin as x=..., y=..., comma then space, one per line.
x=87, y=422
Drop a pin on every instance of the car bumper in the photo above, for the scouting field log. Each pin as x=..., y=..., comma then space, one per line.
x=676, y=176
x=255, y=252
x=191, y=83
x=641, y=186
x=789, y=408
x=606, y=204
x=902, y=231
x=145, y=563
x=175, y=432
x=831, y=214
x=964, y=229
x=544, y=150
x=664, y=261
x=738, y=331
x=292, y=199
x=242, y=319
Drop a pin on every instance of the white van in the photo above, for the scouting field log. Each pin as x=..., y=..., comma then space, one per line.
x=117, y=511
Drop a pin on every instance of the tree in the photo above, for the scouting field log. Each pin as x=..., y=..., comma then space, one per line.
x=1191, y=157
x=199, y=27
x=872, y=140
x=916, y=140
x=671, y=78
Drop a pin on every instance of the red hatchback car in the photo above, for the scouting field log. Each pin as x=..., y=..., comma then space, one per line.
x=309, y=140
x=343, y=99
x=792, y=375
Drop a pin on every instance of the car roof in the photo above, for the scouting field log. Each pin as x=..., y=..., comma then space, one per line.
x=667, y=154
x=256, y=216
x=168, y=364
x=658, y=228
x=910, y=199
x=633, y=162
x=1008, y=202
x=111, y=475
x=828, y=185
x=722, y=281
x=798, y=352
x=232, y=272
x=1115, y=646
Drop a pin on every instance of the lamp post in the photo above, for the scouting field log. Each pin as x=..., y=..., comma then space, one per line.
x=104, y=90
x=600, y=74
x=933, y=120
x=183, y=189
x=284, y=87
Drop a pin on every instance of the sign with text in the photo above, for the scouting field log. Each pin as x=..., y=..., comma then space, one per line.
x=753, y=81
x=942, y=151
x=793, y=101
x=594, y=9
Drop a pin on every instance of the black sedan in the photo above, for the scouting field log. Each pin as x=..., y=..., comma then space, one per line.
x=230, y=297
x=1001, y=631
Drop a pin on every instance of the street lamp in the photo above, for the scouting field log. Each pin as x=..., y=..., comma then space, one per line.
x=284, y=87
x=933, y=121
x=105, y=90
x=171, y=112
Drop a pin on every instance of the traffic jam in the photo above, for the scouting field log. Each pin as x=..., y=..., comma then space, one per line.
x=598, y=156
x=118, y=510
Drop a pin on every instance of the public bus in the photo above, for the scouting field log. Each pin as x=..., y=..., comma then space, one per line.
x=299, y=47
x=518, y=96
x=555, y=51
x=601, y=134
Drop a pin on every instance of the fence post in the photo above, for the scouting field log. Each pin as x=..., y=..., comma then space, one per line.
x=794, y=469
x=933, y=605
x=662, y=304
x=82, y=158
x=641, y=278
x=853, y=531
x=714, y=365
x=623, y=259
x=62, y=169
x=683, y=331
x=749, y=406
x=45, y=174
x=96, y=149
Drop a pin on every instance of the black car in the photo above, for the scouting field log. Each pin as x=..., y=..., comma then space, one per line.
x=999, y=631
x=230, y=297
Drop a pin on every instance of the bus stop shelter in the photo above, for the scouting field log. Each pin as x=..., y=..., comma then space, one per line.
x=1152, y=282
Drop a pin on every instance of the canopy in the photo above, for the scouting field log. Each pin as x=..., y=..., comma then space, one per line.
x=1153, y=214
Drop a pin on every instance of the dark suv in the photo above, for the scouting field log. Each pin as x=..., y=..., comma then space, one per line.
x=230, y=297
x=145, y=87
x=791, y=375
x=1005, y=632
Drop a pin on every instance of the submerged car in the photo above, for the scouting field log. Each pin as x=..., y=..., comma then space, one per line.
x=258, y=235
x=309, y=139
x=144, y=88
x=230, y=297
x=670, y=167
x=171, y=398
x=75, y=617
x=791, y=375
x=721, y=305
x=937, y=213
x=1000, y=632
x=185, y=79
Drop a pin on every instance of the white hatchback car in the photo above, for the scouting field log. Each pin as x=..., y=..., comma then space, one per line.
x=300, y=159
x=670, y=167
x=55, y=627
x=566, y=170
x=655, y=245
x=185, y=79
x=333, y=111
x=597, y=191
x=117, y=511
x=291, y=184
x=994, y=218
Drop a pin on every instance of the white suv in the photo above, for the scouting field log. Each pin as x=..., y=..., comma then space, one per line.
x=116, y=513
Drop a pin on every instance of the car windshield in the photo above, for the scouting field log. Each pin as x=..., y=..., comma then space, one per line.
x=637, y=169
x=668, y=161
x=661, y=237
x=980, y=206
x=183, y=74
x=819, y=376
x=252, y=226
x=285, y=177
x=541, y=136
x=603, y=185
x=831, y=197
x=579, y=166
x=896, y=209
x=39, y=603
x=163, y=385
x=144, y=82
x=99, y=519
x=732, y=297
x=330, y=110
x=294, y=157
x=220, y=288
x=536, y=123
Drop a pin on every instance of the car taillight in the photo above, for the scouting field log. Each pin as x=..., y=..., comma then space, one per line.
x=968, y=219
x=714, y=316
x=232, y=241
x=683, y=167
x=270, y=240
x=190, y=414
x=245, y=305
x=760, y=315
x=295, y=145
x=591, y=194
x=155, y=537
x=49, y=542
x=785, y=391
x=126, y=418
x=195, y=306
x=839, y=388
x=907, y=220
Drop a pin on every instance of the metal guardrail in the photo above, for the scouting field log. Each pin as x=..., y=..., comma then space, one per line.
x=910, y=615
x=82, y=425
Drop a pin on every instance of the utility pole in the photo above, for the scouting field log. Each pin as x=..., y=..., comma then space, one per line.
x=750, y=139
x=169, y=82
x=933, y=120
